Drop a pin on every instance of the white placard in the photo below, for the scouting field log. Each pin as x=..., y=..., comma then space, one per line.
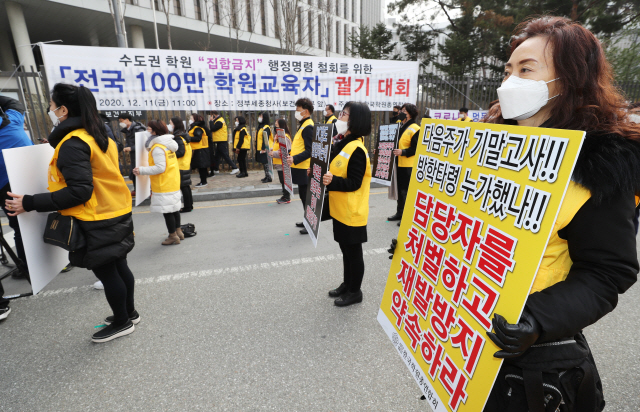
x=475, y=115
x=149, y=79
x=143, y=183
x=27, y=168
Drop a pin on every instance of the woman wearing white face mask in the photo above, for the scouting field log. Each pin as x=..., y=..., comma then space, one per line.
x=558, y=77
x=264, y=140
x=241, y=144
x=200, y=159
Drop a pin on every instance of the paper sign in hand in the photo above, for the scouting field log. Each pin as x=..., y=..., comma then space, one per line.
x=143, y=184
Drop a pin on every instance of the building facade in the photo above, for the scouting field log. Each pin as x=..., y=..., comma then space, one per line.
x=310, y=27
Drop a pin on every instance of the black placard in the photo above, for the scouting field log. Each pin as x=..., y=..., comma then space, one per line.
x=383, y=159
x=320, y=150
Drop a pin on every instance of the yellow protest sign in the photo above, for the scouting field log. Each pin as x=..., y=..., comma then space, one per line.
x=481, y=206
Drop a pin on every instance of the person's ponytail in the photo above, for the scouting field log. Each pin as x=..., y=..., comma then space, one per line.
x=91, y=120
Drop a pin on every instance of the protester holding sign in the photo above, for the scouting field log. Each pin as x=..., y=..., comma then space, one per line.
x=200, y=159
x=264, y=140
x=405, y=153
x=241, y=144
x=348, y=182
x=277, y=161
x=394, y=114
x=85, y=183
x=301, y=151
x=164, y=171
x=558, y=76
x=184, y=153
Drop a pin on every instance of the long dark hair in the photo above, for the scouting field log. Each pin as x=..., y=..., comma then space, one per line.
x=81, y=103
x=265, y=119
x=587, y=97
x=282, y=124
x=158, y=127
x=178, y=126
x=359, y=119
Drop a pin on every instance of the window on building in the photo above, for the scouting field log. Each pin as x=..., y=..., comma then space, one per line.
x=353, y=10
x=310, y=27
x=319, y=31
x=216, y=8
x=234, y=14
x=337, y=37
x=130, y=2
x=276, y=19
x=177, y=8
x=197, y=9
x=156, y=4
x=337, y=7
x=249, y=17
x=346, y=9
x=299, y=25
x=346, y=38
x=263, y=17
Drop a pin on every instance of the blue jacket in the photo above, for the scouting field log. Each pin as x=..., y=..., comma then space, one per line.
x=11, y=131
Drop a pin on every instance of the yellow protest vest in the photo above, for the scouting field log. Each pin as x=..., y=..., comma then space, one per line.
x=220, y=135
x=556, y=261
x=350, y=208
x=246, y=143
x=169, y=180
x=405, y=143
x=203, y=143
x=276, y=148
x=297, y=146
x=260, y=138
x=111, y=196
x=466, y=119
x=184, y=162
x=331, y=119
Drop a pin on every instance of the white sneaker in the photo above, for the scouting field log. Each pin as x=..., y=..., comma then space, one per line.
x=216, y=172
x=234, y=171
x=199, y=185
x=98, y=285
x=4, y=312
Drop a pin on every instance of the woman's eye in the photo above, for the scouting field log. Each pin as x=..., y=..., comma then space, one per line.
x=524, y=70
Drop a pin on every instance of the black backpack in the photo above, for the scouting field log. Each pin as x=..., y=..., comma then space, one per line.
x=188, y=230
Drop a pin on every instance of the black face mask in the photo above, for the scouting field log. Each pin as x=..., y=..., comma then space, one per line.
x=401, y=116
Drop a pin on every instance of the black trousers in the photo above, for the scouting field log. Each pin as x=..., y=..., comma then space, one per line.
x=3, y=302
x=353, y=262
x=302, y=191
x=13, y=224
x=222, y=151
x=118, y=284
x=404, y=177
x=132, y=157
x=267, y=171
x=203, y=175
x=285, y=193
x=187, y=197
x=172, y=220
x=242, y=160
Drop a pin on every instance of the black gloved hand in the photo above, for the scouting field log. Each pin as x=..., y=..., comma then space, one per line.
x=514, y=340
x=392, y=247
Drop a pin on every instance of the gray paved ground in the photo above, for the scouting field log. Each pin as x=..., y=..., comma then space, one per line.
x=222, y=332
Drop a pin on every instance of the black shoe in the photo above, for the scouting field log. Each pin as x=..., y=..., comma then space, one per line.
x=263, y=180
x=283, y=200
x=399, y=223
x=183, y=210
x=267, y=180
x=339, y=291
x=210, y=174
x=18, y=274
x=304, y=232
x=299, y=224
x=67, y=268
x=134, y=318
x=112, y=332
x=349, y=298
x=394, y=218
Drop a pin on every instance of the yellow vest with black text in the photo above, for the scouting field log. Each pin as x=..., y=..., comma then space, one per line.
x=297, y=146
x=331, y=119
x=111, y=196
x=220, y=135
x=246, y=143
x=556, y=262
x=350, y=208
x=404, y=143
x=276, y=148
x=169, y=180
x=260, y=138
x=203, y=143
x=466, y=119
x=184, y=162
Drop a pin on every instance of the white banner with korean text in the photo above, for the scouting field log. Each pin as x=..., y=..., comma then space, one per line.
x=149, y=79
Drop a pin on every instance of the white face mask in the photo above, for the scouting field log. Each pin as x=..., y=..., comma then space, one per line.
x=522, y=98
x=54, y=119
x=299, y=116
x=170, y=128
x=341, y=126
x=324, y=113
x=123, y=125
x=237, y=123
x=259, y=119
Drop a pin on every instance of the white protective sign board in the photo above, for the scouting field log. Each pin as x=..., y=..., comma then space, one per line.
x=143, y=183
x=28, y=169
x=150, y=79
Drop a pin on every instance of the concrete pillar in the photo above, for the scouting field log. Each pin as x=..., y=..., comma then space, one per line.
x=137, y=37
x=6, y=54
x=20, y=35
